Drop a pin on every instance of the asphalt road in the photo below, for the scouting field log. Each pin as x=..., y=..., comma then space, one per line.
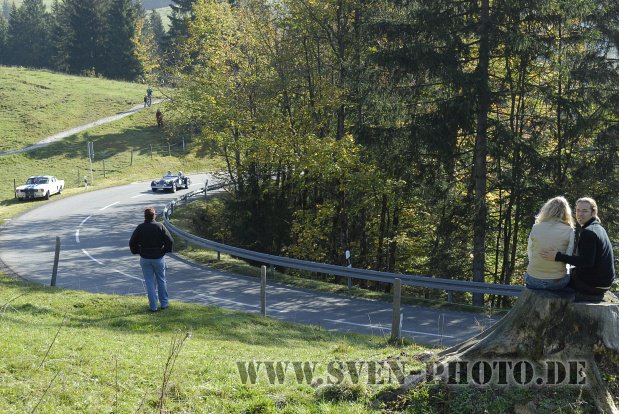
x=95, y=227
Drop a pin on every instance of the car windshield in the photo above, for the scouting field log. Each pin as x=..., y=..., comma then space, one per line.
x=42, y=180
x=169, y=175
x=30, y=180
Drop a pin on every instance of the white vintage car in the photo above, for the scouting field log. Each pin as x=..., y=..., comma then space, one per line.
x=39, y=186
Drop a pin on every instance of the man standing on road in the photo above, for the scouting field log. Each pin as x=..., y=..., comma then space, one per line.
x=151, y=240
x=594, y=263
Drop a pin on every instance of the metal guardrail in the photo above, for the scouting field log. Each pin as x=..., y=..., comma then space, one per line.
x=448, y=285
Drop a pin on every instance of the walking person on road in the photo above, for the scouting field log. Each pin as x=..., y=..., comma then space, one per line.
x=151, y=240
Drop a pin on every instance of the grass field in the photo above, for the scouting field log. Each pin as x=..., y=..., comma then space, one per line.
x=70, y=351
x=36, y=104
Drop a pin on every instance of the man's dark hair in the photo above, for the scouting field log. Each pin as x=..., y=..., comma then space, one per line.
x=149, y=214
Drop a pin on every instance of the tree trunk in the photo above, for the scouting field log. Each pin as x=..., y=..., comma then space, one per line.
x=545, y=326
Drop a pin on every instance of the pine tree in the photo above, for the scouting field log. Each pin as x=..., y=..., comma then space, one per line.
x=4, y=28
x=60, y=36
x=118, y=47
x=29, y=35
x=84, y=37
x=181, y=15
x=155, y=26
x=6, y=9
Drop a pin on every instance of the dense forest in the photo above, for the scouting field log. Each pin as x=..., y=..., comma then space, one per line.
x=116, y=39
x=423, y=136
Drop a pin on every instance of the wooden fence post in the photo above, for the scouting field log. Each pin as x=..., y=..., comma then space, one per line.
x=14, y=188
x=131, y=162
x=103, y=168
x=56, y=257
x=396, y=320
x=151, y=151
x=263, y=290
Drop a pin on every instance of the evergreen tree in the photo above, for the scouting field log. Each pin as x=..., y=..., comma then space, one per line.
x=155, y=26
x=84, y=37
x=60, y=36
x=118, y=47
x=4, y=28
x=29, y=35
x=182, y=14
x=6, y=9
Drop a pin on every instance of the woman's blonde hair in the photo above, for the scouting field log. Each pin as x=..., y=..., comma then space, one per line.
x=556, y=209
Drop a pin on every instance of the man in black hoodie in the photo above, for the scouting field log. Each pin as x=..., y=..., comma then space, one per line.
x=151, y=240
x=594, y=263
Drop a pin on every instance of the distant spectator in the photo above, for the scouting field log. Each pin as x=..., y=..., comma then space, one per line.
x=159, y=117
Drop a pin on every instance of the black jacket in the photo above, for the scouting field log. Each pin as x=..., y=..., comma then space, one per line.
x=151, y=240
x=595, y=262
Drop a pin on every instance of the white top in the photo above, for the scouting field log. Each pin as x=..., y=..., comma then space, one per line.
x=553, y=235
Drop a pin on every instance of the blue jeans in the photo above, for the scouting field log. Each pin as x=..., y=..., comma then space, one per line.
x=550, y=284
x=154, y=271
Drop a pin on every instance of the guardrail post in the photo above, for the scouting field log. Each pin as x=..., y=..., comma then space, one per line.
x=205, y=188
x=263, y=290
x=449, y=296
x=56, y=257
x=272, y=271
x=396, y=317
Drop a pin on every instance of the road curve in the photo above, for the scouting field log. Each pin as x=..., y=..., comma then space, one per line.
x=94, y=228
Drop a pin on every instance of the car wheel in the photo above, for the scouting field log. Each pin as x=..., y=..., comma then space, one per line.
x=154, y=190
x=174, y=187
x=47, y=195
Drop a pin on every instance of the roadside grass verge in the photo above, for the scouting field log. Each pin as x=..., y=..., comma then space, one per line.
x=72, y=351
x=183, y=218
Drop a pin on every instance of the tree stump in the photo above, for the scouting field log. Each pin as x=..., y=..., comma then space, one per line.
x=547, y=326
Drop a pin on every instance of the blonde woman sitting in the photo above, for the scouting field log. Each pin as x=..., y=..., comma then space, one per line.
x=553, y=229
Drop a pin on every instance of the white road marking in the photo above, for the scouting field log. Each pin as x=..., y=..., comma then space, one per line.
x=139, y=195
x=125, y=274
x=91, y=258
x=382, y=327
x=84, y=221
x=109, y=205
x=77, y=236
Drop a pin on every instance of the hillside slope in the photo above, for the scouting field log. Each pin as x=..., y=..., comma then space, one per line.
x=36, y=103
